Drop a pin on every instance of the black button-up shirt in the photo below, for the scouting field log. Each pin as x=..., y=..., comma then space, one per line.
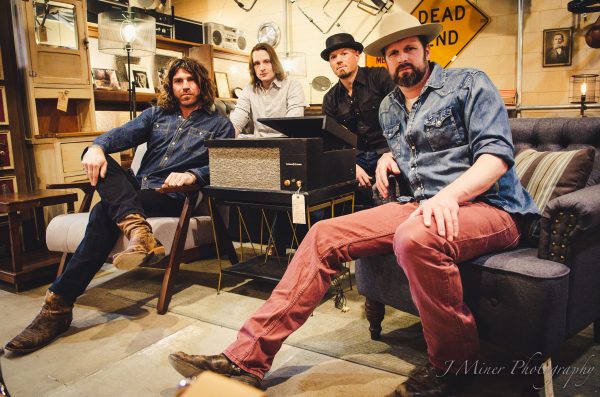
x=360, y=112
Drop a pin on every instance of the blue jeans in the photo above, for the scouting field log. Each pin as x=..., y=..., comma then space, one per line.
x=120, y=195
x=368, y=162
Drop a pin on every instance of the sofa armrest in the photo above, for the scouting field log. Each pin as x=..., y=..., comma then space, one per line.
x=566, y=218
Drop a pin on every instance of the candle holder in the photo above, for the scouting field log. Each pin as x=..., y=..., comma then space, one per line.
x=583, y=90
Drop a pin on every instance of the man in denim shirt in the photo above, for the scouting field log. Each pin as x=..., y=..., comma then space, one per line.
x=175, y=132
x=449, y=138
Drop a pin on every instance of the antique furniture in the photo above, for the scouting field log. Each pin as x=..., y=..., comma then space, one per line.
x=530, y=299
x=21, y=266
x=184, y=238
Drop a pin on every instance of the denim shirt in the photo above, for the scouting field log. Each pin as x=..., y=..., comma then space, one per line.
x=175, y=144
x=458, y=116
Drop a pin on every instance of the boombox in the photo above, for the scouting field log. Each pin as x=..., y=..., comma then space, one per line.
x=224, y=36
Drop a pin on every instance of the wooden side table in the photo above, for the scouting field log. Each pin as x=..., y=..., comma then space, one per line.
x=22, y=266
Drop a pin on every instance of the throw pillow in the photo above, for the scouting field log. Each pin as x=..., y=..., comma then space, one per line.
x=547, y=175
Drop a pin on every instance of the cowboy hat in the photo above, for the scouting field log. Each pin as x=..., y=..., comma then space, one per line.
x=397, y=26
x=340, y=40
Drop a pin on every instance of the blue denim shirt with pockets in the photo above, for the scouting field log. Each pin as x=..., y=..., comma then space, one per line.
x=458, y=116
x=175, y=144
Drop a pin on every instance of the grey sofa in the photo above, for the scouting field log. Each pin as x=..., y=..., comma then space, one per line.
x=527, y=300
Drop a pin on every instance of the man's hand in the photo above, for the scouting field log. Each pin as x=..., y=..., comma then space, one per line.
x=179, y=179
x=364, y=180
x=385, y=165
x=444, y=208
x=94, y=164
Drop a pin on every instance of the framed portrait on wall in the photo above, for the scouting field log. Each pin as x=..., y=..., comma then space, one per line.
x=3, y=109
x=6, y=155
x=222, y=83
x=141, y=78
x=558, y=47
x=8, y=184
x=161, y=73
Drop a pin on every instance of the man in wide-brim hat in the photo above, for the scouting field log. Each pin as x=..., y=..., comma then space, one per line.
x=354, y=102
x=450, y=140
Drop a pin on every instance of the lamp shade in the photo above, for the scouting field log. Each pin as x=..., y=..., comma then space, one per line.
x=120, y=31
x=583, y=88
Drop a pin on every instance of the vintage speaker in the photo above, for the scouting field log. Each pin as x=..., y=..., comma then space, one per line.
x=188, y=30
x=224, y=36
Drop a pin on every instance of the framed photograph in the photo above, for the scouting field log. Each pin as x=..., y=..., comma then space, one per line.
x=3, y=109
x=6, y=156
x=558, y=47
x=161, y=73
x=141, y=78
x=8, y=184
x=222, y=83
x=105, y=79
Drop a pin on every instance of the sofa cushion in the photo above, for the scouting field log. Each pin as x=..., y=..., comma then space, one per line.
x=65, y=232
x=547, y=175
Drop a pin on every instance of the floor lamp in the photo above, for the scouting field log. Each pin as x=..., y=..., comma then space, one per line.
x=128, y=33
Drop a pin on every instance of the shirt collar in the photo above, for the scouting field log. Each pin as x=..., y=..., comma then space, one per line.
x=438, y=76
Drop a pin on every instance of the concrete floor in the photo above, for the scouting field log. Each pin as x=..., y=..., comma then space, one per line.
x=116, y=347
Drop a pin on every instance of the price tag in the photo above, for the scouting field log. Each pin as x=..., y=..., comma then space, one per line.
x=298, y=209
x=63, y=101
x=548, y=387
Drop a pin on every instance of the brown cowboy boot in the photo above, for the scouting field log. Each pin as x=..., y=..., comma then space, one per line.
x=191, y=365
x=429, y=381
x=143, y=248
x=54, y=319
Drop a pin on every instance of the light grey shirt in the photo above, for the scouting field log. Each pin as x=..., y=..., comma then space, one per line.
x=282, y=99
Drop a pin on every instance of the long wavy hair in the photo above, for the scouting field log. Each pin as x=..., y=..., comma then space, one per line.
x=277, y=67
x=166, y=98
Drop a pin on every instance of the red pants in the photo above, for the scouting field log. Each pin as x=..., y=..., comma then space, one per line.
x=428, y=260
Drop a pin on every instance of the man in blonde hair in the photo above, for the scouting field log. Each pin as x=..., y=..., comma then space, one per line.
x=270, y=94
x=175, y=132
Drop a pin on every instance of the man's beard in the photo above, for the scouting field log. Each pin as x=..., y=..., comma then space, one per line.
x=344, y=74
x=411, y=78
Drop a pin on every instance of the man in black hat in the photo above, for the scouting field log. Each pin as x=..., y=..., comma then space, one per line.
x=354, y=103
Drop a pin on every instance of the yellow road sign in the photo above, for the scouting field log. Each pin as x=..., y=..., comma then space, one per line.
x=461, y=21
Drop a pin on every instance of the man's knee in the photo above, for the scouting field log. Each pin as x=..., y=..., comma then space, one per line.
x=412, y=239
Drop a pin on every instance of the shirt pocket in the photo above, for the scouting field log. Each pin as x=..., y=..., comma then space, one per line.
x=194, y=140
x=389, y=132
x=441, y=130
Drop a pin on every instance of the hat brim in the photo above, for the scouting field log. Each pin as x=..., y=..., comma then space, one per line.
x=430, y=30
x=355, y=46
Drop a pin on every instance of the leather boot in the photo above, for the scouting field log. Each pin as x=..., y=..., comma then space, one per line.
x=54, y=319
x=191, y=365
x=429, y=381
x=143, y=248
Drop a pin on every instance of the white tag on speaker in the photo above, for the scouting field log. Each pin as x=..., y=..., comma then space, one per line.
x=548, y=386
x=298, y=209
x=63, y=101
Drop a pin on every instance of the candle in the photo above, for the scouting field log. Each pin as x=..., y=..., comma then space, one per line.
x=583, y=88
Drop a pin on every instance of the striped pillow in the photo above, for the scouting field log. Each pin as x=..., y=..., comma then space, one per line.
x=547, y=175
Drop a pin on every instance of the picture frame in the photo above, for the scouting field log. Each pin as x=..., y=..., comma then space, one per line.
x=105, y=79
x=222, y=83
x=161, y=73
x=8, y=184
x=3, y=108
x=557, y=47
x=141, y=78
x=7, y=161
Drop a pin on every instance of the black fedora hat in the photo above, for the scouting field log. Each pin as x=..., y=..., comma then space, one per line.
x=337, y=41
